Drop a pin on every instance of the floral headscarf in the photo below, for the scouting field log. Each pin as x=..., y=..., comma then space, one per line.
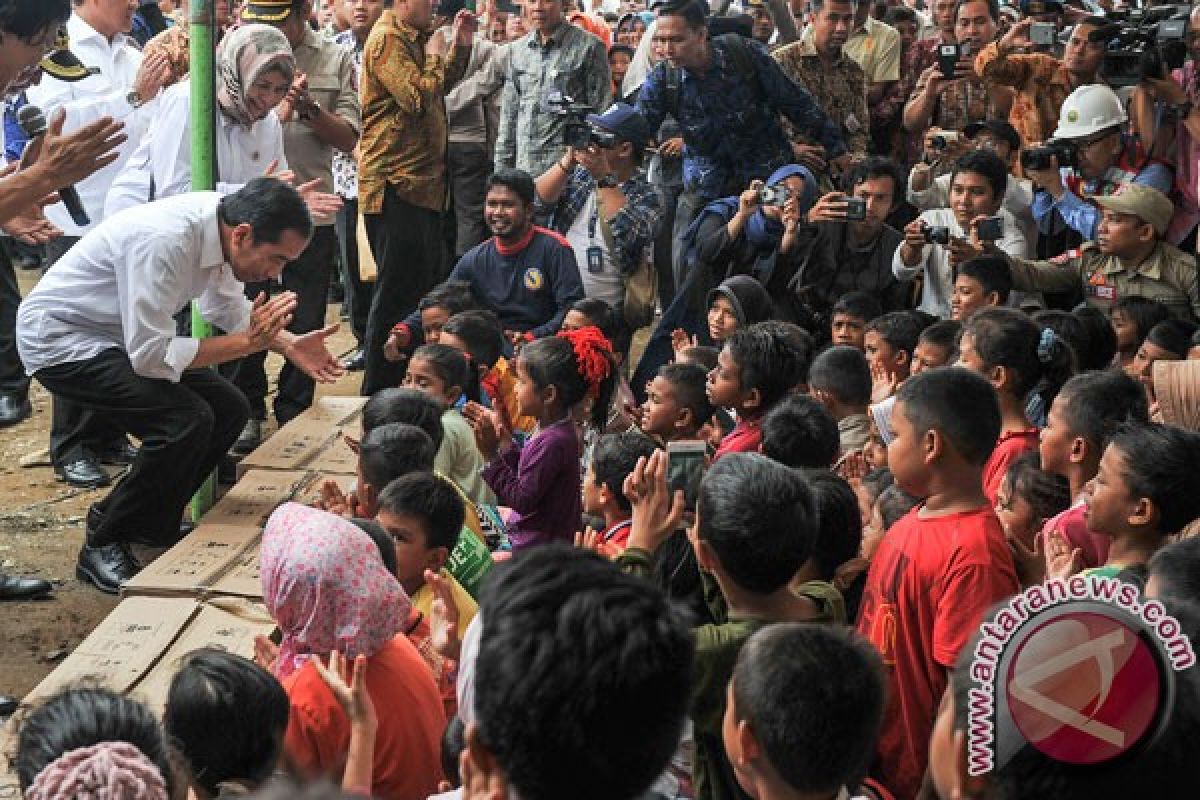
x=244, y=54
x=325, y=584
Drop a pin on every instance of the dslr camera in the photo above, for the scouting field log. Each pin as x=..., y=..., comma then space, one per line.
x=577, y=132
x=1042, y=157
x=936, y=234
x=1143, y=43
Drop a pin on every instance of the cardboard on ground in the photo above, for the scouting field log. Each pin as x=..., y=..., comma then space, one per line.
x=252, y=499
x=313, y=440
x=198, y=562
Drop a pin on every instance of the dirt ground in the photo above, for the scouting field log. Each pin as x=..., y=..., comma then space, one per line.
x=41, y=528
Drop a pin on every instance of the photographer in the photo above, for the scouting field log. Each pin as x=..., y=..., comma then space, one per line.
x=941, y=238
x=1042, y=82
x=1089, y=155
x=598, y=198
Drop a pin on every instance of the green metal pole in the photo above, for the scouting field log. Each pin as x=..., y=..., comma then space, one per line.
x=202, y=46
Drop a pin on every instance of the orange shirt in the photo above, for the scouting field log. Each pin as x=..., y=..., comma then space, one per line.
x=411, y=721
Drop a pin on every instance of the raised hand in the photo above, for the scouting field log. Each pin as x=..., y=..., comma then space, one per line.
x=443, y=617
x=883, y=382
x=681, y=341
x=266, y=653
x=1030, y=563
x=1062, y=560
x=73, y=157
x=657, y=511
x=267, y=318
x=320, y=204
x=348, y=683
x=310, y=354
x=491, y=435
x=153, y=73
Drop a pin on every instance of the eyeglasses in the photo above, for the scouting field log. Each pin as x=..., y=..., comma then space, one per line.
x=1084, y=144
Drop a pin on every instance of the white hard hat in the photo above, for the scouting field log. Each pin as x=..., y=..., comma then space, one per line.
x=1089, y=109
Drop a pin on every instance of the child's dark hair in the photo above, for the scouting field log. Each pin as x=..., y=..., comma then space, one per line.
x=688, y=385
x=1068, y=328
x=382, y=539
x=1101, y=339
x=215, y=690
x=392, y=450
x=858, y=304
x=410, y=406
x=842, y=371
x=766, y=361
x=81, y=717
x=702, y=355
x=991, y=273
x=574, y=656
x=578, y=364
x=453, y=744
x=1143, y=312
x=1038, y=358
x=800, y=432
x=839, y=531
x=481, y=333
x=1172, y=335
x=781, y=687
x=614, y=457
x=893, y=504
x=986, y=164
x=598, y=313
x=1098, y=404
x=1176, y=570
x=943, y=334
x=934, y=400
x=800, y=340
x=1047, y=494
x=1160, y=464
x=454, y=296
x=453, y=367
x=900, y=329
x=759, y=517
x=431, y=499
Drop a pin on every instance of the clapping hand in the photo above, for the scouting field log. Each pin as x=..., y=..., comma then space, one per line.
x=1030, y=563
x=320, y=204
x=883, y=382
x=268, y=317
x=443, y=617
x=657, y=511
x=266, y=653
x=681, y=341
x=348, y=682
x=1062, y=560
x=491, y=435
x=309, y=353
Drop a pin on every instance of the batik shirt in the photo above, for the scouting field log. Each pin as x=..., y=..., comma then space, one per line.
x=841, y=90
x=345, y=168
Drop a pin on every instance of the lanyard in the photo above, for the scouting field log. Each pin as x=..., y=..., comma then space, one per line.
x=594, y=218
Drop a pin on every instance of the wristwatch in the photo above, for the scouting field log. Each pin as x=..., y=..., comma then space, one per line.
x=134, y=99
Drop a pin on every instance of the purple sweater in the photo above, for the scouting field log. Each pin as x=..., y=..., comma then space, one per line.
x=541, y=483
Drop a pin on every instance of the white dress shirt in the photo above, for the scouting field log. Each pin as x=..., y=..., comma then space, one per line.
x=104, y=94
x=165, y=153
x=1018, y=199
x=122, y=284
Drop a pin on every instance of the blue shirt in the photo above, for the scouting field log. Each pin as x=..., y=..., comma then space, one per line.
x=730, y=126
x=14, y=136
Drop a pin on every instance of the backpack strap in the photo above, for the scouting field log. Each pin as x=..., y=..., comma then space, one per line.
x=743, y=61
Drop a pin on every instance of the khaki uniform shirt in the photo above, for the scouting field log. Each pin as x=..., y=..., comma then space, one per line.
x=876, y=48
x=1167, y=276
x=840, y=90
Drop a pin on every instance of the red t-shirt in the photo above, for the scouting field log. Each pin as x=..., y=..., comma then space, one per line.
x=927, y=588
x=746, y=437
x=1009, y=448
x=1073, y=525
x=408, y=741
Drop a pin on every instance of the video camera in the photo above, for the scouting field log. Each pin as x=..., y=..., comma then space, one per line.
x=1063, y=151
x=1143, y=43
x=577, y=132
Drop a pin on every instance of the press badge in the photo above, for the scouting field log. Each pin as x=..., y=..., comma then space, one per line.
x=852, y=124
x=595, y=260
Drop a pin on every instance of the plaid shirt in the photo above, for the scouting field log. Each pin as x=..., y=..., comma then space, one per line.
x=632, y=228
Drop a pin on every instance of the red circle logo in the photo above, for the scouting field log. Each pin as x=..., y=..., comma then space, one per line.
x=1083, y=687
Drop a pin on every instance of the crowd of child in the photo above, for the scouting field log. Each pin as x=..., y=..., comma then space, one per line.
x=518, y=599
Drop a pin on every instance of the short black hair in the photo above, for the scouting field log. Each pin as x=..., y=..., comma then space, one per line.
x=383, y=541
x=27, y=20
x=766, y=362
x=574, y=656
x=840, y=523
x=410, y=406
x=599, y=313
x=993, y=9
x=1039, y=360
x=216, y=690
x=877, y=167
x=893, y=504
x=900, y=329
x=800, y=432
x=801, y=341
x=614, y=457
x=688, y=384
x=1101, y=345
x=1097, y=404
x=269, y=206
x=935, y=399
x=703, y=355
x=842, y=371
x=900, y=14
x=1046, y=493
x=1143, y=312
x=818, y=734
x=858, y=304
x=944, y=334
x=453, y=367
x=453, y=744
x=693, y=13
x=1160, y=464
x=481, y=332
x=515, y=180
x=1177, y=568
x=1173, y=335
x=454, y=296
x=81, y=717
x=759, y=517
x=984, y=162
x=392, y=450
x=990, y=272
x=432, y=499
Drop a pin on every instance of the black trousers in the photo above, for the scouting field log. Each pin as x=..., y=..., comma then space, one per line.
x=467, y=168
x=406, y=241
x=308, y=277
x=13, y=380
x=185, y=428
x=358, y=291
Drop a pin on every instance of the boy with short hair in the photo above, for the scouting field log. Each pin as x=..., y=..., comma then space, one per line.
x=384, y=454
x=677, y=405
x=613, y=458
x=800, y=432
x=937, y=346
x=841, y=381
x=941, y=566
x=978, y=283
x=889, y=343
x=433, y=310
x=780, y=687
x=849, y=317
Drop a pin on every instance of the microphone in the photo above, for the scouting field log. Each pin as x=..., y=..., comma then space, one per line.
x=33, y=123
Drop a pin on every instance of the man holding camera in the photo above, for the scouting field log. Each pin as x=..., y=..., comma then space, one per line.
x=1089, y=155
x=599, y=199
x=1128, y=257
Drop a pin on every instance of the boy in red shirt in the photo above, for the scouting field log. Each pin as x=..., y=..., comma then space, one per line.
x=613, y=458
x=941, y=566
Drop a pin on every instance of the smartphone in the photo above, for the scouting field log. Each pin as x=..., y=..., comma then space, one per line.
x=685, y=468
x=1043, y=33
x=856, y=208
x=948, y=60
x=990, y=229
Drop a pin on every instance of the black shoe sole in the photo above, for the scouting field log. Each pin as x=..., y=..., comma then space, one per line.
x=82, y=485
x=87, y=577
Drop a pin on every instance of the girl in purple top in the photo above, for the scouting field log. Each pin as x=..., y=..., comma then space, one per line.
x=540, y=481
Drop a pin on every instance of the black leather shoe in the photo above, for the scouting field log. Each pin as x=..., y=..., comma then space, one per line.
x=121, y=455
x=356, y=362
x=13, y=409
x=105, y=566
x=8, y=705
x=249, y=439
x=15, y=588
x=83, y=474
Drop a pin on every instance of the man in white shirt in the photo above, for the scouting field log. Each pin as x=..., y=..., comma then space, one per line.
x=122, y=87
x=99, y=330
